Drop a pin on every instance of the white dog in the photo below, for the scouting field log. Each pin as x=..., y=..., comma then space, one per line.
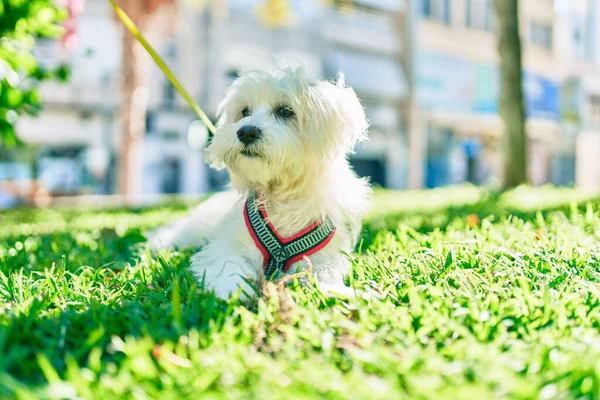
x=285, y=141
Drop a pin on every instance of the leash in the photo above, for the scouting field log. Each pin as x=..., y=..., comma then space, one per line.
x=129, y=24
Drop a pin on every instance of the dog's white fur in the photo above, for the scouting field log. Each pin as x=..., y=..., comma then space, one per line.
x=301, y=172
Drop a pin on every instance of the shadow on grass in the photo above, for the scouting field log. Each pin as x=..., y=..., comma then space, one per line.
x=70, y=250
x=162, y=309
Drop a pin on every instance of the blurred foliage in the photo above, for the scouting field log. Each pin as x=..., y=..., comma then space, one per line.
x=22, y=22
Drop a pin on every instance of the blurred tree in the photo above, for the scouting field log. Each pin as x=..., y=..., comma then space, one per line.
x=21, y=23
x=134, y=99
x=512, y=104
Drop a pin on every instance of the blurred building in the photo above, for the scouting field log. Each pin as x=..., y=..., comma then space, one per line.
x=458, y=86
x=79, y=130
x=454, y=82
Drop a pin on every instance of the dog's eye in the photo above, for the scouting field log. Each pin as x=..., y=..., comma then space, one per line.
x=284, y=112
x=245, y=112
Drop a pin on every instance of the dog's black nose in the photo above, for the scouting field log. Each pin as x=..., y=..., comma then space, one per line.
x=248, y=134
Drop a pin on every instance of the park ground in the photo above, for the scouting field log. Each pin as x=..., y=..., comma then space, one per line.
x=477, y=295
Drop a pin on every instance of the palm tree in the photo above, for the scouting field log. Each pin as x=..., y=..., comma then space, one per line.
x=512, y=108
x=134, y=100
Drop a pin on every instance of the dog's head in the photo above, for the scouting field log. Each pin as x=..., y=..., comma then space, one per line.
x=273, y=127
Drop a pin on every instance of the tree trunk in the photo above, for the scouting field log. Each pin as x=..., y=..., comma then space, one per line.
x=133, y=108
x=407, y=28
x=512, y=105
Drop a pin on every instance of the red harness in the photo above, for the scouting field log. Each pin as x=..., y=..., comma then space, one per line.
x=279, y=253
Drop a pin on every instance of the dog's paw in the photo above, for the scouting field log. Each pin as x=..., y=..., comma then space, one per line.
x=225, y=276
x=224, y=290
x=336, y=290
x=340, y=290
x=159, y=239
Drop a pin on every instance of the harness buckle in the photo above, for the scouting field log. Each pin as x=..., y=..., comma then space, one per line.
x=281, y=254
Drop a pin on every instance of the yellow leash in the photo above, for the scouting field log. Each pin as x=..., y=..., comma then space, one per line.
x=163, y=66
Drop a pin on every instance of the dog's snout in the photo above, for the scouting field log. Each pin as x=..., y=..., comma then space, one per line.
x=248, y=134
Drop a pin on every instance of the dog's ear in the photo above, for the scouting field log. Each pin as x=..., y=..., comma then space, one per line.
x=211, y=157
x=340, y=82
x=227, y=101
x=338, y=115
x=210, y=151
x=225, y=110
x=352, y=113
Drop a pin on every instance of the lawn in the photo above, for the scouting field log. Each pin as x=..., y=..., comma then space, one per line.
x=477, y=296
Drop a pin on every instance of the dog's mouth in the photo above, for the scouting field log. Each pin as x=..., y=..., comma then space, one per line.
x=250, y=153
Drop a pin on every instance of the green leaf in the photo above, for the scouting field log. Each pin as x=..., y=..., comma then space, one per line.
x=21, y=23
x=63, y=73
x=9, y=136
x=46, y=15
x=13, y=97
x=33, y=98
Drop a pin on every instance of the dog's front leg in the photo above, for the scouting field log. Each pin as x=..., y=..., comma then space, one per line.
x=194, y=229
x=330, y=270
x=224, y=273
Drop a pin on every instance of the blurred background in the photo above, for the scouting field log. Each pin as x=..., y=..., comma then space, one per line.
x=107, y=122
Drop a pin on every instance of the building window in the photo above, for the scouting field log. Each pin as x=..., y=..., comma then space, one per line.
x=171, y=57
x=578, y=42
x=479, y=14
x=583, y=38
x=468, y=13
x=170, y=95
x=231, y=75
x=541, y=35
x=592, y=110
x=150, y=123
x=171, y=177
x=438, y=10
x=488, y=16
x=372, y=168
x=427, y=8
x=590, y=41
x=171, y=136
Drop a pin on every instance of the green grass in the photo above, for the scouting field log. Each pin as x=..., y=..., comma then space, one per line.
x=478, y=296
